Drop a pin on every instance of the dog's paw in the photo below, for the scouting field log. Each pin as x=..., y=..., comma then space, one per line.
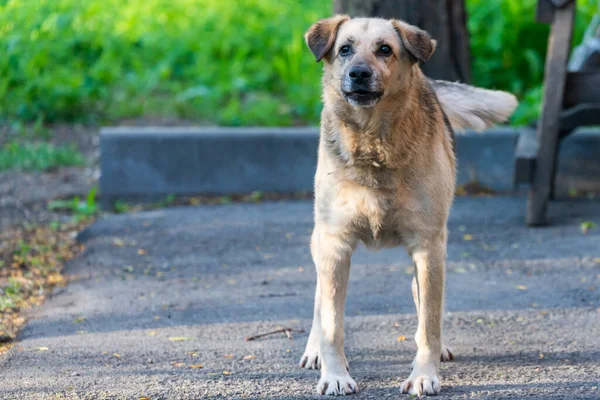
x=310, y=359
x=447, y=353
x=421, y=385
x=337, y=385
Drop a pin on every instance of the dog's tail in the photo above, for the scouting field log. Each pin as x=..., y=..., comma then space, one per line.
x=468, y=107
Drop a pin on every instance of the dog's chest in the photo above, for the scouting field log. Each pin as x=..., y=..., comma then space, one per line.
x=367, y=161
x=378, y=218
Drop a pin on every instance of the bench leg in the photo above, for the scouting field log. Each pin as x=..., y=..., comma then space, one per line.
x=548, y=129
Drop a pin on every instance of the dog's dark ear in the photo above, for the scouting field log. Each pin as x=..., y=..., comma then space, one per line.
x=321, y=36
x=418, y=42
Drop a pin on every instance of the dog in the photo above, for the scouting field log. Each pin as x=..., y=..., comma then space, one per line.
x=386, y=177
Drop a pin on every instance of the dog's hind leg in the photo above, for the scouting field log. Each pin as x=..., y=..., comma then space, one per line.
x=429, y=255
x=447, y=352
x=310, y=358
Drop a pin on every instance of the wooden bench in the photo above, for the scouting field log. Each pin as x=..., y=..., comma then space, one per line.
x=571, y=100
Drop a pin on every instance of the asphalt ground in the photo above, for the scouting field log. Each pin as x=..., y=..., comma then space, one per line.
x=161, y=301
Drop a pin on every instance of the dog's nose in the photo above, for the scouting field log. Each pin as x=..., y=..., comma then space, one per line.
x=360, y=73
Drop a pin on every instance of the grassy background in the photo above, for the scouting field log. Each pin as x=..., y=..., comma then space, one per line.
x=238, y=62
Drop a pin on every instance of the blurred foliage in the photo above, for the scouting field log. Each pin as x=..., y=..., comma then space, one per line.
x=508, y=48
x=227, y=62
x=40, y=156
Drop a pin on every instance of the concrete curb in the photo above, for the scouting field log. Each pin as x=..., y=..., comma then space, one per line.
x=145, y=164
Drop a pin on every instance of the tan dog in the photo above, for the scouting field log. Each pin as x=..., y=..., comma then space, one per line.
x=385, y=177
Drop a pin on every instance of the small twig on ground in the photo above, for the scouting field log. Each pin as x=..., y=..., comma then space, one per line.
x=262, y=296
x=286, y=331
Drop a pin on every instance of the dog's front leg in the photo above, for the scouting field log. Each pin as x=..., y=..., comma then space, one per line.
x=429, y=256
x=333, y=255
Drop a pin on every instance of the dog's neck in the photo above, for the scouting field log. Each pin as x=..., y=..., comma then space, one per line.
x=369, y=143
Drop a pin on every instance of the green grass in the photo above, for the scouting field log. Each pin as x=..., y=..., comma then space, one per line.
x=81, y=209
x=37, y=156
x=238, y=62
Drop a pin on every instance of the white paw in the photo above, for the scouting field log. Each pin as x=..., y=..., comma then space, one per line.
x=337, y=385
x=421, y=384
x=447, y=353
x=310, y=359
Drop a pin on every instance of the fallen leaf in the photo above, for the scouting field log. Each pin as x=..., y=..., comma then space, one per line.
x=586, y=226
x=79, y=320
x=156, y=318
x=128, y=268
x=250, y=357
x=118, y=242
x=300, y=269
x=541, y=355
x=226, y=373
x=521, y=287
x=401, y=338
x=231, y=281
x=228, y=356
x=197, y=366
x=467, y=237
x=144, y=398
x=460, y=270
x=396, y=325
x=178, y=364
x=42, y=349
x=141, y=252
x=180, y=338
x=152, y=333
x=117, y=355
x=597, y=260
x=288, y=350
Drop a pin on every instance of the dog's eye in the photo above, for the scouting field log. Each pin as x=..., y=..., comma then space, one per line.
x=345, y=50
x=385, y=50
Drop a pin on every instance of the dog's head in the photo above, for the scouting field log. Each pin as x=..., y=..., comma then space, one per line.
x=367, y=59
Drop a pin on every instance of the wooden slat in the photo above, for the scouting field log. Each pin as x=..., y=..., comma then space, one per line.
x=580, y=115
x=544, y=12
x=582, y=87
x=559, y=44
x=561, y=3
x=525, y=156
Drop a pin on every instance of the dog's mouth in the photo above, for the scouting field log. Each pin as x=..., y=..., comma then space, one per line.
x=362, y=97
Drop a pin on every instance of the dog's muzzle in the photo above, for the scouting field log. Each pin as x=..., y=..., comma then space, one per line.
x=358, y=86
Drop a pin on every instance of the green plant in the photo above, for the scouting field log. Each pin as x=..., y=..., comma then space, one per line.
x=80, y=208
x=37, y=156
x=10, y=295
